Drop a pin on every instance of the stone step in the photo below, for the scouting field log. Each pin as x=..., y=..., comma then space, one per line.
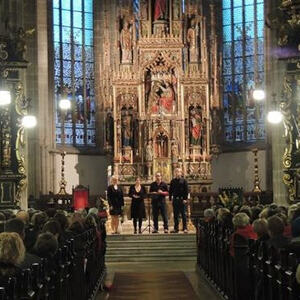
x=151, y=247
x=125, y=237
x=151, y=251
x=147, y=257
x=151, y=244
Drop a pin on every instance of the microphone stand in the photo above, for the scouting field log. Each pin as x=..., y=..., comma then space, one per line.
x=149, y=226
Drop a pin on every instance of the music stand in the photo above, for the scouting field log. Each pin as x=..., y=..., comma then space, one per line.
x=149, y=226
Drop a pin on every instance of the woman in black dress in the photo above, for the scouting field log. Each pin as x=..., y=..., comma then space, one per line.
x=116, y=203
x=138, y=193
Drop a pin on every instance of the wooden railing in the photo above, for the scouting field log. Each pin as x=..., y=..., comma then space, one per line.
x=75, y=273
x=255, y=272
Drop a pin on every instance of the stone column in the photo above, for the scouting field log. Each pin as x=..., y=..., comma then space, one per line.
x=274, y=74
x=41, y=171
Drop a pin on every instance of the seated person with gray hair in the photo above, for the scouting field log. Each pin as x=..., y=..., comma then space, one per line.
x=243, y=231
x=209, y=215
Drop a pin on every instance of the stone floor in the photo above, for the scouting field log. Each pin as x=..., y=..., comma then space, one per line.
x=201, y=288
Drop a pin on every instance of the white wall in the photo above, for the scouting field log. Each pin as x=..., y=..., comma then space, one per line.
x=236, y=169
x=83, y=169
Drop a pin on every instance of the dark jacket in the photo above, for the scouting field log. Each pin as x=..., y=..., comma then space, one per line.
x=179, y=188
x=115, y=200
x=137, y=204
x=278, y=242
x=158, y=198
x=29, y=260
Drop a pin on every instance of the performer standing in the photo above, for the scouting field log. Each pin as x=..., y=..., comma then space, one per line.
x=116, y=203
x=159, y=191
x=138, y=193
x=179, y=194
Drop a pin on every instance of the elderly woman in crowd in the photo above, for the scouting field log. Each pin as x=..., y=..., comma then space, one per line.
x=12, y=253
x=243, y=231
x=260, y=227
x=116, y=203
x=209, y=215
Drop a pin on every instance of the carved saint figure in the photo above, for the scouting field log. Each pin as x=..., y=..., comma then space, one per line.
x=126, y=43
x=149, y=152
x=160, y=9
x=126, y=130
x=195, y=125
x=192, y=41
x=174, y=153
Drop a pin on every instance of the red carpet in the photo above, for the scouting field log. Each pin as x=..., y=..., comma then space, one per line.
x=152, y=286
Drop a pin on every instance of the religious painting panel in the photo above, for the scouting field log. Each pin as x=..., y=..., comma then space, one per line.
x=196, y=125
x=163, y=166
x=161, y=93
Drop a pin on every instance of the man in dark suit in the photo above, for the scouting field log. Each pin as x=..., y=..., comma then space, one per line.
x=159, y=191
x=179, y=193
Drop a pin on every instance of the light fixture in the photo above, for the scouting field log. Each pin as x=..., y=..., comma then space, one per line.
x=274, y=117
x=29, y=121
x=5, y=97
x=258, y=94
x=64, y=104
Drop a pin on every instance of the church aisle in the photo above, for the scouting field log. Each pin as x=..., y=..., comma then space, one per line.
x=156, y=280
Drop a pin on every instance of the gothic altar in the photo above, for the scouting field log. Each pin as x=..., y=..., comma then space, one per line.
x=161, y=97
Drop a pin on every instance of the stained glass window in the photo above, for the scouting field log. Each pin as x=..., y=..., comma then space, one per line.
x=74, y=71
x=243, y=69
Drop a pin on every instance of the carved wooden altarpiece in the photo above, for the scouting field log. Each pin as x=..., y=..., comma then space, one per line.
x=163, y=89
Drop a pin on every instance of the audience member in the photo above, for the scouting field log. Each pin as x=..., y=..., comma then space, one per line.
x=51, y=212
x=209, y=215
x=276, y=229
x=17, y=225
x=12, y=253
x=63, y=221
x=53, y=227
x=243, y=231
x=23, y=215
x=224, y=216
x=46, y=245
x=31, y=233
x=256, y=210
x=260, y=227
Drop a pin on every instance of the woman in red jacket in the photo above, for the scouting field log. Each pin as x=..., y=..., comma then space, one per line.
x=243, y=229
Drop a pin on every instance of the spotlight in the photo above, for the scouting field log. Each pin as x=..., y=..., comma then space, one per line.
x=258, y=94
x=5, y=98
x=274, y=117
x=65, y=104
x=29, y=121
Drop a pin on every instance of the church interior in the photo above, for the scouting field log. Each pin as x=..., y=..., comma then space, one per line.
x=150, y=149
